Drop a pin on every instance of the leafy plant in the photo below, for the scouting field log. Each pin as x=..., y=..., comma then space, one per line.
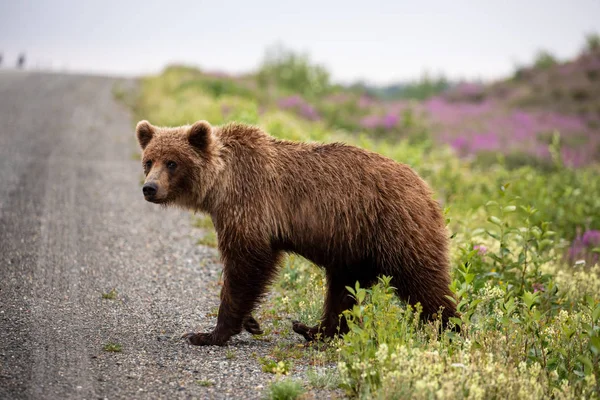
x=113, y=347
x=286, y=389
x=110, y=295
x=292, y=72
x=282, y=367
x=544, y=59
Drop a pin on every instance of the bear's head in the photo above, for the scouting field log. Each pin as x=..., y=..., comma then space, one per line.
x=181, y=164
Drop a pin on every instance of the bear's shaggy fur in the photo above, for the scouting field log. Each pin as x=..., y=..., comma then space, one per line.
x=353, y=212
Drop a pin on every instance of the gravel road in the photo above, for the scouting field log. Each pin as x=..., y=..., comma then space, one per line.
x=74, y=225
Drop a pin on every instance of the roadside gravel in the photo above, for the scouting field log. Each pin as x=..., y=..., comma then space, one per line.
x=74, y=225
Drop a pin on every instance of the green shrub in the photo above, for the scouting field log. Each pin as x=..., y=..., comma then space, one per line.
x=544, y=59
x=286, y=389
x=292, y=72
x=592, y=41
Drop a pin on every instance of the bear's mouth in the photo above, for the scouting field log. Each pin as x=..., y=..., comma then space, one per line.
x=155, y=200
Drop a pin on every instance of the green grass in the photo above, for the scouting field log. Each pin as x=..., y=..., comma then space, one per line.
x=530, y=312
x=286, y=389
x=208, y=239
x=202, y=222
x=209, y=236
x=110, y=295
x=281, y=367
x=113, y=347
x=205, y=383
x=324, y=378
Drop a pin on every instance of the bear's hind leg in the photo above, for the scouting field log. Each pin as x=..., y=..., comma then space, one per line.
x=337, y=300
x=431, y=293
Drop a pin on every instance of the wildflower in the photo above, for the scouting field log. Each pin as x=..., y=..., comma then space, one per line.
x=370, y=122
x=538, y=287
x=382, y=353
x=460, y=144
x=591, y=238
x=389, y=121
x=300, y=106
x=481, y=249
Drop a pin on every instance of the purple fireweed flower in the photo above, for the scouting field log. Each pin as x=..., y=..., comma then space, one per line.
x=577, y=249
x=370, y=122
x=366, y=101
x=300, y=106
x=572, y=157
x=309, y=112
x=290, y=102
x=583, y=244
x=593, y=64
x=481, y=249
x=339, y=98
x=469, y=89
x=389, y=121
x=487, y=141
x=460, y=144
x=591, y=238
x=396, y=107
x=567, y=69
x=538, y=287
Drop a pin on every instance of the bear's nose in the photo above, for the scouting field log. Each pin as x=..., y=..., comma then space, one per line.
x=150, y=189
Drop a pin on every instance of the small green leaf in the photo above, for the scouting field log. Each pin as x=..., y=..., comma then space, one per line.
x=495, y=257
x=493, y=235
x=589, y=367
x=361, y=295
x=477, y=232
x=509, y=209
x=529, y=299
x=595, y=345
x=495, y=220
x=596, y=314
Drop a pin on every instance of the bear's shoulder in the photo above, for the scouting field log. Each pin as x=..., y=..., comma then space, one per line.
x=234, y=132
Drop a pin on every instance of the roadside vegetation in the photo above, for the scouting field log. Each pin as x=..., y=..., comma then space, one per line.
x=519, y=180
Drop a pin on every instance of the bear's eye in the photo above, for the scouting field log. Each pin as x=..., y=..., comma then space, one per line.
x=171, y=165
x=148, y=164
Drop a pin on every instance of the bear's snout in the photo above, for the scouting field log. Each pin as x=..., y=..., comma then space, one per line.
x=149, y=189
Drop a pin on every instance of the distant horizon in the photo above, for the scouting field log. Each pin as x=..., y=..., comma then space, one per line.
x=386, y=43
x=126, y=74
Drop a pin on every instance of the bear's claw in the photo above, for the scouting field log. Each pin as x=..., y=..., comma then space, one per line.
x=252, y=326
x=304, y=330
x=200, y=339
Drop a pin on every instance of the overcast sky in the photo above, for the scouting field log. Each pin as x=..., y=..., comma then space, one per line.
x=379, y=41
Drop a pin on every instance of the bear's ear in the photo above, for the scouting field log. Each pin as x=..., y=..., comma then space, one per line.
x=144, y=132
x=199, y=135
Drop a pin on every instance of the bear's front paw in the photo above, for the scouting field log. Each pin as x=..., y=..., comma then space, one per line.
x=203, y=339
x=310, y=334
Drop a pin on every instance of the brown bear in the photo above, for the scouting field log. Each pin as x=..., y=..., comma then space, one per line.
x=353, y=212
